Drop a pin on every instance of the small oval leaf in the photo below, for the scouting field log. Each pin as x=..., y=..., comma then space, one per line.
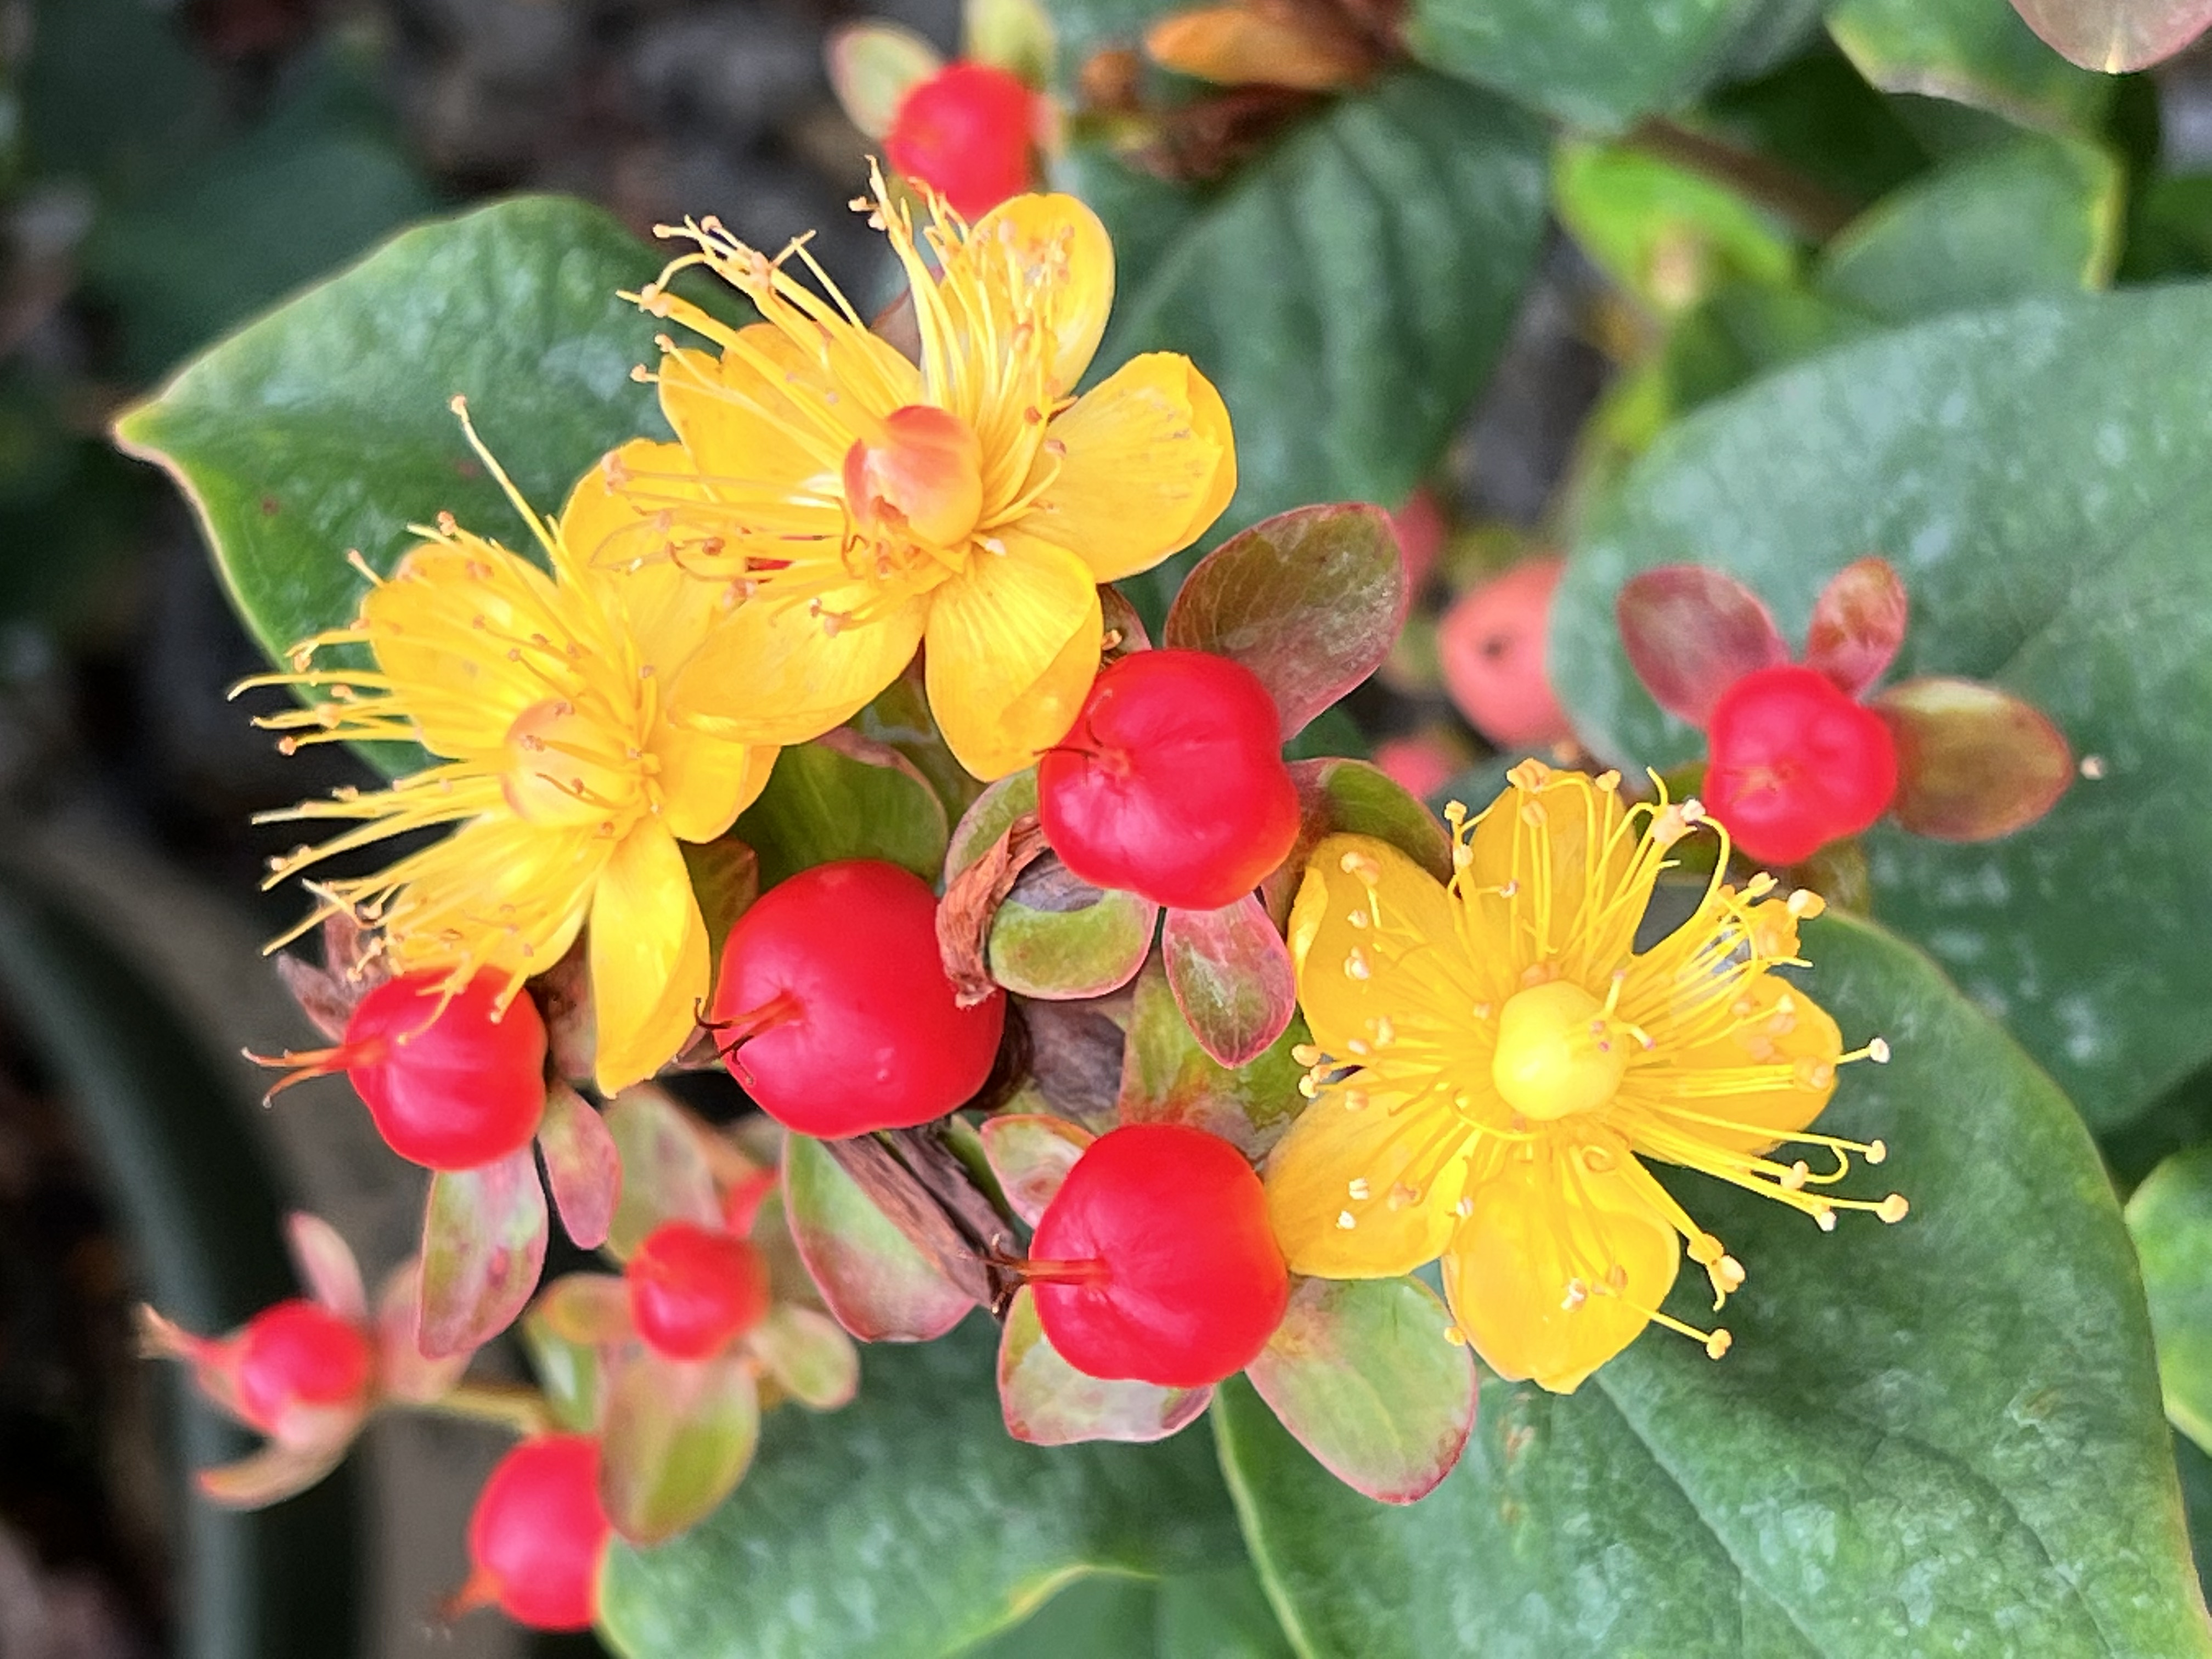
x=1691, y=633
x=326, y=1266
x=568, y=1370
x=1031, y=1153
x=873, y=67
x=1233, y=978
x=2115, y=36
x=844, y=796
x=676, y=1440
x=583, y=1165
x=1047, y=1402
x=809, y=1355
x=871, y=1278
x=1973, y=761
x=1060, y=939
x=1858, y=624
x=664, y=1173
x=1339, y=797
x=483, y=1241
x=404, y=1372
x=1166, y=1078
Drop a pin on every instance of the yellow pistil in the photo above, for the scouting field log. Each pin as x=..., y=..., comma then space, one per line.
x=859, y=503
x=1493, y=1060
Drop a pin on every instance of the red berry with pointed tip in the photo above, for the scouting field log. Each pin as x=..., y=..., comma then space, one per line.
x=299, y=1355
x=693, y=1289
x=538, y=1532
x=1155, y=1260
x=835, y=1010
x=1795, y=763
x=450, y=1089
x=1171, y=784
x=967, y=132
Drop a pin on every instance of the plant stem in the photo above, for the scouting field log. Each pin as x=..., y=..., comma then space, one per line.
x=515, y=1406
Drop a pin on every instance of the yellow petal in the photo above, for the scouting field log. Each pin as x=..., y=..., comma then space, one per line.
x=1148, y=463
x=1391, y=1169
x=1529, y=885
x=623, y=552
x=499, y=892
x=648, y=947
x=772, y=673
x=1012, y=648
x=1352, y=974
x=1041, y=250
x=706, y=781
x=1558, y=1268
x=1779, y=1032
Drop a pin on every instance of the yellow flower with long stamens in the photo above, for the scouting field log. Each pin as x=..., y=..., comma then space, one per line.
x=570, y=767
x=1493, y=1060
x=868, y=503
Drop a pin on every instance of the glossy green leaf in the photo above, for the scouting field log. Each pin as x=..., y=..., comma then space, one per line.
x=484, y=1233
x=1971, y=52
x=664, y=1173
x=1221, y=1614
x=873, y=1278
x=676, y=1437
x=1047, y=1402
x=1231, y=975
x=1059, y=937
x=844, y=796
x=1166, y=1078
x=2171, y=1217
x=2036, y=215
x=1352, y=798
x=910, y=1524
x=1665, y=234
x=1927, y=1438
x=1031, y=1153
x=2050, y=454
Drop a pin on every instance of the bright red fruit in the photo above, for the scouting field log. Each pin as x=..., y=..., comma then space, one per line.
x=1155, y=1259
x=1795, y=763
x=692, y=1289
x=452, y=1089
x=296, y=1354
x=1171, y=784
x=967, y=132
x=834, y=1009
x=538, y=1532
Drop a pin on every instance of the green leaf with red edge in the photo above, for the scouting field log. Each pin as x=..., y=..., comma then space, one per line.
x=872, y=66
x=583, y=1165
x=677, y=1438
x=1047, y=1402
x=1031, y=1153
x=809, y=1355
x=844, y=796
x=1231, y=975
x=1691, y=633
x=2116, y=36
x=1858, y=624
x=566, y=1333
x=1311, y=600
x=664, y=1173
x=878, y=1285
x=1352, y=797
x=1166, y=1078
x=725, y=879
x=1361, y=1373
x=483, y=1241
x=1973, y=761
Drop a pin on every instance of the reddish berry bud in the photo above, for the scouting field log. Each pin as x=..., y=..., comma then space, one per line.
x=966, y=132
x=451, y=1089
x=693, y=1289
x=299, y=1356
x=1492, y=647
x=1155, y=1259
x=834, y=1009
x=1795, y=763
x=1172, y=784
x=538, y=1533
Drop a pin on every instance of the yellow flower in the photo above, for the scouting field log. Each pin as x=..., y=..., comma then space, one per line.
x=867, y=503
x=1492, y=1061
x=561, y=715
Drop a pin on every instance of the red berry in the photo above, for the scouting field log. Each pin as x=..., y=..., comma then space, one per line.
x=1172, y=783
x=449, y=1090
x=693, y=1289
x=1795, y=763
x=967, y=133
x=299, y=1354
x=1155, y=1259
x=538, y=1531
x=834, y=1007
x=1492, y=647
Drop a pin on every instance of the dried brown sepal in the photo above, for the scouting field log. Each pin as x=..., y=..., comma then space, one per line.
x=972, y=898
x=353, y=966
x=908, y=1204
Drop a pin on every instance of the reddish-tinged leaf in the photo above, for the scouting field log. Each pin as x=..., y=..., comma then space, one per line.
x=1311, y=600
x=1122, y=624
x=1691, y=633
x=582, y=1165
x=988, y=816
x=873, y=1278
x=1031, y=1153
x=2116, y=36
x=1233, y=978
x=678, y=1436
x=726, y=878
x=1338, y=797
x=1166, y=1078
x=1360, y=1371
x=326, y=1266
x=483, y=1241
x=1858, y=624
x=1973, y=762
x=1047, y=1402
x=563, y=993
x=269, y=1475
x=569, y=1373
x=591, y=1309
x=873, y=67
x=404, y=1372
x=666, y=1176
x=809, y=1355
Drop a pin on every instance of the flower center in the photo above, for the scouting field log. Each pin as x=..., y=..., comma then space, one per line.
x=922, y=476
x=1556, y=1053
x=561, y=767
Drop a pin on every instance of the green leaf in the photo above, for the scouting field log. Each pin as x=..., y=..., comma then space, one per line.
x=325, y=426
x=2036, y=475
x=1166, y=1078
x=1030, y=1153
x=1666, y=234
x=1047, y=1402
x=873, y=1278
x=567, y=1369
x=2171, y=1217
x=484, y=1233
x=1339, y=797
x=1601, y=67
x=844, y=796
x=2033, y=216
x=1221, y=1614
x=677, y=1438
x=1971, y=52
x=1941, y=1437
x=910, y=1524
x=1231, y=975
x=809, y=1355
x=664, y=1173
x=1062, y=938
